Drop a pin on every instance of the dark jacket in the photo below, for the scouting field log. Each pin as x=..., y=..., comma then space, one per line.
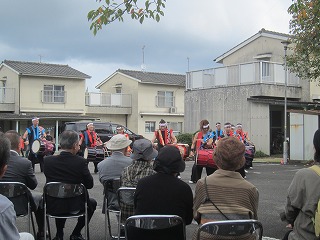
x=164, y=194
x=20, y=170
x=67, y=168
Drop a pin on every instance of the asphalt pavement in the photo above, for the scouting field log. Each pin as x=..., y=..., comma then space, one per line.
x=272, y=181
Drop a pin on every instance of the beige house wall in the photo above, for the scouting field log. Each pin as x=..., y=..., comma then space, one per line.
x=261, y=45
x=31, y=94
x=143, y=101
x=12, y=81
x=129, y=86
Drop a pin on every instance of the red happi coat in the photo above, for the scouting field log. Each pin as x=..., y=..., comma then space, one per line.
x=167, y=139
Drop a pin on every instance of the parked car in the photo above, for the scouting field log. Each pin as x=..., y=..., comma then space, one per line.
x=105, y=130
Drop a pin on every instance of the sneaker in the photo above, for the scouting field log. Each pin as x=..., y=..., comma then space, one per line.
x=76, y=237
x=191, y=182
x=179, y=177
x=246, y=171
x=250, y=167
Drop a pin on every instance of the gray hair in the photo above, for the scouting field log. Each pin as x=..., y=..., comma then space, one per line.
x=68, y=138
x=4, y=150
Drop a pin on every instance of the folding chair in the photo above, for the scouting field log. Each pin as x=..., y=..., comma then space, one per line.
x=19, y=194
x=126, y=204
x=111, y=205
x=61, y=190
x=231, y=229
x=155, y=227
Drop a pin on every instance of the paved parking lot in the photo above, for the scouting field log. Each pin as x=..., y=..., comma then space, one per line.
x=272, y=180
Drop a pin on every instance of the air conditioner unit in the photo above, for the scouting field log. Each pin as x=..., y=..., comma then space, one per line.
x=172, y=110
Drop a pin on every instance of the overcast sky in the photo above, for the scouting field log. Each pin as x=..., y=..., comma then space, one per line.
x=200, y=30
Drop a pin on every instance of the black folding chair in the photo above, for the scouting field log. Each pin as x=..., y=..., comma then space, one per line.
x=19, y=194
x=61, y=190
x=155, y=227
x=111, y=205
x=231, y=229
x=126, y=204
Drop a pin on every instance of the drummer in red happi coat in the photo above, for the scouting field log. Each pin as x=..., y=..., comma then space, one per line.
x=89, y=138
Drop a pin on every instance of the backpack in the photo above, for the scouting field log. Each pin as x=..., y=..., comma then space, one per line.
x=316, y=218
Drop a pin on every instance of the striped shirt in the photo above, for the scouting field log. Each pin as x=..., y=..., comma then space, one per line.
x=234, y=196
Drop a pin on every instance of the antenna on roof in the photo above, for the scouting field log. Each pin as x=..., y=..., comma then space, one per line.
x=40, y=57
x=143, y=66
x=188, y=63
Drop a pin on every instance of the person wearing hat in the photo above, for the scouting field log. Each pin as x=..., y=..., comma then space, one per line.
x=31, y=134
x=163, y=135
x=112, y=167
x=120, y=130
x=163, y=192
x=89, y=138
x=225, y=194
x=142, y=155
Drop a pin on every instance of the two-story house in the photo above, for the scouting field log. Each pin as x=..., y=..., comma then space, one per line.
x=144, y=97
x=249, y=88
x=53, y=92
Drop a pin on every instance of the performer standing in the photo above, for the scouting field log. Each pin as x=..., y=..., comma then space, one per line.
x=202, y=139
x=89, y=138
x=120, y=130
x=31, y=134
x=218, y=131
x=164, y=135
x=227, y=130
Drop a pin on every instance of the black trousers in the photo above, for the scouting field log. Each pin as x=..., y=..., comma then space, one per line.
x=36, y=159
x=60, y=222
x=197, y=172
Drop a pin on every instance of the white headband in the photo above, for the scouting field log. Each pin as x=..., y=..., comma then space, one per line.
x=239, y=125
x=227, y=125
x=162, y=124
x=205, y=126
x=89, y=124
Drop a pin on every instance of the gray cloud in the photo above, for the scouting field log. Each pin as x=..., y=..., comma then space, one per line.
x=201, y=30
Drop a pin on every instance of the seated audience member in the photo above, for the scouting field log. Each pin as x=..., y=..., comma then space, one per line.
x=8, y=229
x=225, y=195
x=20, y=170
x=302, y=198
x=67, y=167
x=163, y=193
x=112, y=167
x=142, y=166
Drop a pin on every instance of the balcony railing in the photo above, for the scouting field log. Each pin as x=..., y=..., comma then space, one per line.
x=7, y=95
x=108, y=99
x=242, y=74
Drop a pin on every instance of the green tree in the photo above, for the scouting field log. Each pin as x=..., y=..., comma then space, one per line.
x=112, y=10
x=305, y=30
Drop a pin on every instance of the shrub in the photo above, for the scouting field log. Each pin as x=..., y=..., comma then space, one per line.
x=185, y=138
x=260, y=154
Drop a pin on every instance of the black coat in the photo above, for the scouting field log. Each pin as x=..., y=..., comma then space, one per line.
x=67, y=168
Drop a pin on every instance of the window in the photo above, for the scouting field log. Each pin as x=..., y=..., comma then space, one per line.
x=150, y=127
x=165, y=99
x=266, y=74
x=175, y=126
x=53, y=94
